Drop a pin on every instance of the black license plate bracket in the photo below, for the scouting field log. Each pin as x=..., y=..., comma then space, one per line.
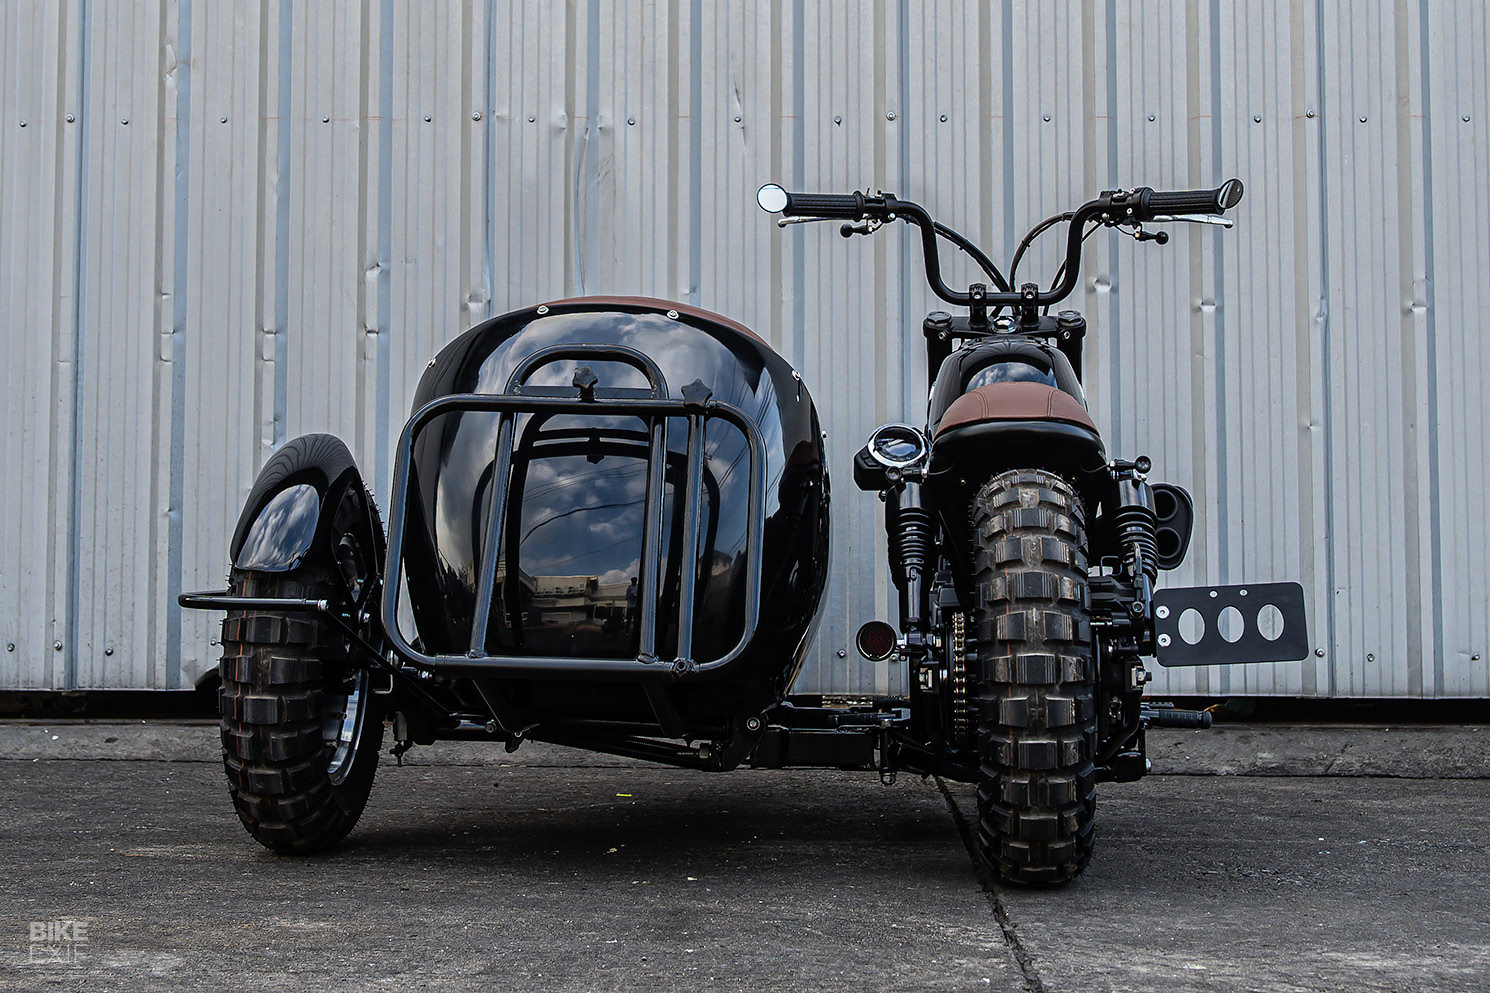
x=1262, y=622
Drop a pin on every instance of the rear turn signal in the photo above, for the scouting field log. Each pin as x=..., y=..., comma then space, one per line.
x=876, y=641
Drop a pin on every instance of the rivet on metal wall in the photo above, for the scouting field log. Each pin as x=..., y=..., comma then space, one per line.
x=532, y=118
x=71, y=118
x=1363, y=118
x=10, y=646
x=837, y=119
x=23, y=124
x=124, y=121
x=842, y=653
x=1047, y=118
x=889, y=115
x=223, y=119
x=56, y=646
x=738, y=118
x=1319, y=653
x=1309, y=112
x=427, y=118
x=1256, y=118
x=326, y=119
x=944, y=118
x=1153, y=118
x=1465, y=118
x=108, y=651
x=1370, y=657
x=475, y=115
x=632, y=121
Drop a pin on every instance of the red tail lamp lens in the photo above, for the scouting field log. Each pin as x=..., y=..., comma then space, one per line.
x=876, y=641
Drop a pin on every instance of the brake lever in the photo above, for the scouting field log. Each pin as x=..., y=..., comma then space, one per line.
x=1224, y=222
x=782, y=222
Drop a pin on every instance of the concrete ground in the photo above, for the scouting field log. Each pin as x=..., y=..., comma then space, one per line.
x=1256, y=859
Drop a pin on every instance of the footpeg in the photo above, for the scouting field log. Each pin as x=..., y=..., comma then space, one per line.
x=1168, y=717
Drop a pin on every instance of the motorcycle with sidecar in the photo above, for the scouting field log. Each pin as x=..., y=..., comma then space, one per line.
x=609, y=530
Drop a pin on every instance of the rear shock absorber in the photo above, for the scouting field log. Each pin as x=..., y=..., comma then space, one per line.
x=910, y=532
x=1136, y=528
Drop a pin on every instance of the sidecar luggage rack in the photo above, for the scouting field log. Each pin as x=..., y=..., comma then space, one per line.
x=655, y=406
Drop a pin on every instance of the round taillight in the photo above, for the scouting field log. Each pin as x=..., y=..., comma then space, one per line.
x=876, y=641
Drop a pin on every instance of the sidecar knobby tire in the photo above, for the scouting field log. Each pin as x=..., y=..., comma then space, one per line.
x=1035, y=679
x=298, y=771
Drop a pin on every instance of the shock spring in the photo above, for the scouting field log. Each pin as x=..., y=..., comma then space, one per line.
x=1135, y=525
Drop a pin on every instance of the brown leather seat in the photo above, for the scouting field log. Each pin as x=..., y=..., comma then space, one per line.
x=1015, y=402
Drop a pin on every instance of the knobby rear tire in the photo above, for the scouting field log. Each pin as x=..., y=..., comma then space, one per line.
x=285, y=697
x=1035, y=679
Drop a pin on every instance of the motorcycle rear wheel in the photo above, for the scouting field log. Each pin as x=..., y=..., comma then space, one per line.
x=1035, y=679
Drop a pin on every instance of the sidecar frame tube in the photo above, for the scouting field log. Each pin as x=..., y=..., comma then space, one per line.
x=656, y=411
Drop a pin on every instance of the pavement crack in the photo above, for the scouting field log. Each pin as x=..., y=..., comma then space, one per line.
x=1032, y=981
x=1329, y=769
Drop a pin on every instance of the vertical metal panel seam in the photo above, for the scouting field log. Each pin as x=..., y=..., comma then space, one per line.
x=488, y=166
x=674, y=113
x=777, y=171
x=74, y=578
x=1219, y=261
x=1406, y=336
x=282, y=224
x=695, y=151
x=1114, y=238
x=1324, y=348
x=571, y=188
x=385, y=243
x=985, y=130
x=799, y=172
x=176, y=538
x=60, y=246
x=1435, y=501
x=1218, y=170
x=1006, y=44
x=909, y=277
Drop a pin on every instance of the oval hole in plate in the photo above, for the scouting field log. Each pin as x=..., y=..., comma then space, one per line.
x=1230, y=625
x=1270, y=622
x=1192, y=626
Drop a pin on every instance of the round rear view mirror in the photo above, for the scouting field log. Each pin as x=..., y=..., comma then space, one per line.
x=772, y=198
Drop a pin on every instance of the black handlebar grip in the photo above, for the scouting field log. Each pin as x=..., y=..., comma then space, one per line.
x=1216, y=201
x=849, y=206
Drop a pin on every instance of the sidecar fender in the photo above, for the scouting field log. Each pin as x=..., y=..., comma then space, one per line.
x=299, y=490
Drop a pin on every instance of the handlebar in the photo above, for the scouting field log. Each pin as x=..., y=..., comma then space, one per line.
x=1112, y=208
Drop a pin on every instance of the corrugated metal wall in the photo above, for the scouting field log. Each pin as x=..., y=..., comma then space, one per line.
x=223, y=225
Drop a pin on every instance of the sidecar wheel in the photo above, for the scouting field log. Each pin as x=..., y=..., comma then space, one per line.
x=301, y=727
x=1035, y=680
